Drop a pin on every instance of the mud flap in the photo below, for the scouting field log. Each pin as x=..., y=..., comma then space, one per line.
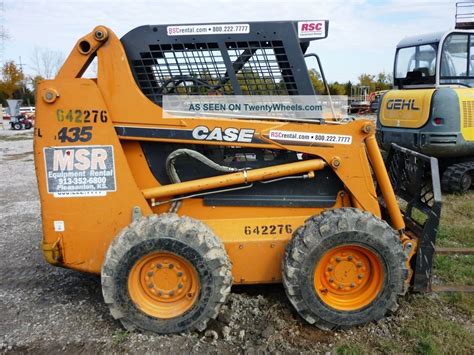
x=415, y=180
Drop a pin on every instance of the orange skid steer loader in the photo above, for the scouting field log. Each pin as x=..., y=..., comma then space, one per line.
x=173, y=211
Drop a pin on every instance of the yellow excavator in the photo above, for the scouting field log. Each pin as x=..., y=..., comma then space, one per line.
x=431, y=108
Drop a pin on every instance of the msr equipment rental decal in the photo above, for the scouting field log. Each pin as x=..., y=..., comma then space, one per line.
x=80, y=171
x=309, y=137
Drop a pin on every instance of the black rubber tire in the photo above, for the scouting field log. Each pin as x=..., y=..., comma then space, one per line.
x=343, y=226
x=17, y=126
x=457, y=178
x=184, y=236
x=28, y=125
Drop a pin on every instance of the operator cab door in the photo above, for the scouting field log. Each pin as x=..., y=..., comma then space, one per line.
x=457, y=60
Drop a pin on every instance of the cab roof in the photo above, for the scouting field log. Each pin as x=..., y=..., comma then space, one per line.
x=417, y=40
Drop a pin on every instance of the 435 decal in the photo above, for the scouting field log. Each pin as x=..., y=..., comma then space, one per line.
x=81, y=116
x=75, y=134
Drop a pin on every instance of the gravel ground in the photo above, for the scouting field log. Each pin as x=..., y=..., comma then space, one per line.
x=54, y=310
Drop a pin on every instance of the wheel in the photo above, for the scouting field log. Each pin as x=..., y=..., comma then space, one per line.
x=17, y=126
x=457, y=178
x=28, y=125
x=344, y=267
x=166, y=274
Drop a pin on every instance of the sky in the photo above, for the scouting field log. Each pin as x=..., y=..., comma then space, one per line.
x=362, y=33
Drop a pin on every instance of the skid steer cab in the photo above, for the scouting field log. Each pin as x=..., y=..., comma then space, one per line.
x=172, y=210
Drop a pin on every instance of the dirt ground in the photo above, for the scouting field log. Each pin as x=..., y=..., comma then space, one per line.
x=53, y=310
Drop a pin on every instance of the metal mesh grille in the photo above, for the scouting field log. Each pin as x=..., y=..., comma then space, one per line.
x=468, y=111
x=248, y=68
x=263, y=68
x=411, y=175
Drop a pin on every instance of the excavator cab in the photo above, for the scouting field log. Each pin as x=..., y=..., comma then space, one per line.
x=430, y=109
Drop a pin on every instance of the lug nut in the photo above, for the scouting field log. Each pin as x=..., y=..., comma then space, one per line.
x=159, y=266
x=352, y=285
x=160, y=293
x=338, y=259
x=331, y=279
x=360, y=276
x=330, y=268
x=180, y=273
x=171, y=266
x=171, y=293
x=150, y=285
x=150, y=273
x=349, y=257
x=359, y=264
x=340, y=286
x=180, y=285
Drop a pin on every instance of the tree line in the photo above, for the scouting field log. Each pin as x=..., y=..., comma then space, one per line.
x=378, y=82
x=14, y=84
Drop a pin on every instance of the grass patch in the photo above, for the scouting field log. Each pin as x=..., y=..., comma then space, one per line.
x=120, y=336
x=456, y=230
x=455, y=269
x=429, y=334
x=387, y=346
x=455, y=235
x=462, y=301
x=457, y=215
x=351, y=349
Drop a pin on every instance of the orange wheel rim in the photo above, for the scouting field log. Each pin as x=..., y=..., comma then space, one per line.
x=163, y=285
x=348, y=277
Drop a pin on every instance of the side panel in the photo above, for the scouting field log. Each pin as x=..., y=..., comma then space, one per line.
x=466, y=103
x=405, y=108
x=81, y=226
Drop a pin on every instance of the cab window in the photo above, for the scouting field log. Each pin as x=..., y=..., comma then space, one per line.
x=416, y=65
x=457, y=61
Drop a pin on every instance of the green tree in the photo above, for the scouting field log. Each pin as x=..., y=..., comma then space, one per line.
x=367, y=80
x=34, y=82
x=316, y=81
x=337, y=89
x=381, y=81
x=12, y=79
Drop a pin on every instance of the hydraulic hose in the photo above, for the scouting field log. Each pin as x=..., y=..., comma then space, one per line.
x=173, y=174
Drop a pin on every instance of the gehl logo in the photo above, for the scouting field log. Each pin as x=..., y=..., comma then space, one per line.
x=401, y=104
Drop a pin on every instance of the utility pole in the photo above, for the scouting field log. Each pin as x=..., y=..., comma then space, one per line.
x=3, y=32
x=23, y=86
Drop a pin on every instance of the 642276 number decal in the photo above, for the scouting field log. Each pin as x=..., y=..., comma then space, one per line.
x=271, y=229
x=81, y=116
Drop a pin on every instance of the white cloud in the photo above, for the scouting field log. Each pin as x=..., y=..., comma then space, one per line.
x=362, y=34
